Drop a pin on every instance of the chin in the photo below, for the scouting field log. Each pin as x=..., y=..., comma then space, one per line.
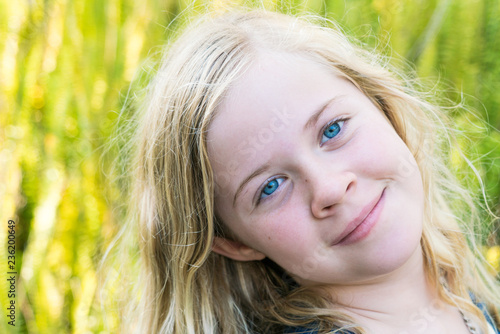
x=390, y=259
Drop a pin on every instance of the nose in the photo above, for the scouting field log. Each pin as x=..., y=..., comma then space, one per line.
x=328, y=189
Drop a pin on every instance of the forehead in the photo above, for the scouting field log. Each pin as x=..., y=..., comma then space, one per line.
x=273, y=81
x=275, y=92
x=272, y=87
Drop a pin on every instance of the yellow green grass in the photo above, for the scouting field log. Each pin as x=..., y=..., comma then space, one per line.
x=65, y=70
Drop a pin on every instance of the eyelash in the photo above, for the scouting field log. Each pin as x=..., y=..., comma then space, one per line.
x=261, y=189
x=341, y=119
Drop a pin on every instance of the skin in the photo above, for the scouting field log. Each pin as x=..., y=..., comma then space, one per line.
x=321, y=185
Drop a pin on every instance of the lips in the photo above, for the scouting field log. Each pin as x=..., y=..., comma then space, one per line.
x=361, y=226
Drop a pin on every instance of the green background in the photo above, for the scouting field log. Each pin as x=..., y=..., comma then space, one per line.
x=65, y=70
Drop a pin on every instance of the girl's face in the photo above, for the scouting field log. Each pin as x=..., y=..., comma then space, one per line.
x=311, y=174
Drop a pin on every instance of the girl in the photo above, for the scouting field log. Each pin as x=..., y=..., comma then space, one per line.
x=286, y=181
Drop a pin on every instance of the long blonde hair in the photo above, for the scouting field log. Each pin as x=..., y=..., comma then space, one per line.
x=186, y=288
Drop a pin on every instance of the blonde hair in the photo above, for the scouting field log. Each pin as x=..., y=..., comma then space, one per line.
x=184, y=286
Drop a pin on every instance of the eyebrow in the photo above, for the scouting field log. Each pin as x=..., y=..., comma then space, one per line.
x=316, y=115
x=257, y=172
x=310, y=123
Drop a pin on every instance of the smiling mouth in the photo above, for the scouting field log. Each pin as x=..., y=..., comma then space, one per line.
x=361, y=226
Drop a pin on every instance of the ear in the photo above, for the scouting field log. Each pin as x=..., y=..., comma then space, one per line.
x=235, y=250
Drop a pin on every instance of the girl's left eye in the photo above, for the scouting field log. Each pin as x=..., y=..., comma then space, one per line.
x=271, y=187
x=331, y=130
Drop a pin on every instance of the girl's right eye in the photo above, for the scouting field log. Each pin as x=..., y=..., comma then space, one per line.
x=270, y=187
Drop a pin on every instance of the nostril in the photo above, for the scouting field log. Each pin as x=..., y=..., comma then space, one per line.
x=329, y=192
x=349, y=186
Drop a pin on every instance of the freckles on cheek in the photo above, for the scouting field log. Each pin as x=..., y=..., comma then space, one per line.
x=286, y=237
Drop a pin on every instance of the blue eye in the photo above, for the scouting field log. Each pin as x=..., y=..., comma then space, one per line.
x=271, y=187
x=331, y=131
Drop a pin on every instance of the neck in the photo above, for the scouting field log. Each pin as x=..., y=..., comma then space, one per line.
x=403, y=301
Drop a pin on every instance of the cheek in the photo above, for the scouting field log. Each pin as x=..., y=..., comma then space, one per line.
x=284, y=237
x=281, y=229
x=381, y=153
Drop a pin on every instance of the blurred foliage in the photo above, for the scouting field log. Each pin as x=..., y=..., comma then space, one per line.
x=65, y=69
